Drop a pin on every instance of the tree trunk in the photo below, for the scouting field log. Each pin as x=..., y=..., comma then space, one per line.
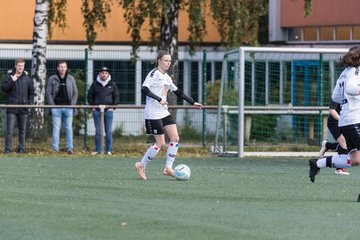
x=38, y=67
x=169, y=41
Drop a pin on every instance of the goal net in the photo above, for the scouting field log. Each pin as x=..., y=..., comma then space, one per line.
x=275, y=99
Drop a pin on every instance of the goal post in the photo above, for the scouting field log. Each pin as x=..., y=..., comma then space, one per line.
x=275, y=99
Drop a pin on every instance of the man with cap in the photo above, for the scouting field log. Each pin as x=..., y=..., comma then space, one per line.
x=103, y=91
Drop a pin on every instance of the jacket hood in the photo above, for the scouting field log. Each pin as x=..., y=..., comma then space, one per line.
x=103, y=83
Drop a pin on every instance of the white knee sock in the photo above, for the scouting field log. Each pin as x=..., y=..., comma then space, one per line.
x=336, y=161
x=171, y=154
x=341, y=161
x=321, y=163
x=150, y=154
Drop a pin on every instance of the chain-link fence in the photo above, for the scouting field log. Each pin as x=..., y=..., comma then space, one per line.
x=128, y=73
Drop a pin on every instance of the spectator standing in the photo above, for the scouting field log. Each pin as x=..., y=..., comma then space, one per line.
x=61, y=89
x=103, y=91
x=19, y=90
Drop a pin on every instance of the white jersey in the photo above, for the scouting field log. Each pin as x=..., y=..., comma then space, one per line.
x=346, y=93
x=159, y=84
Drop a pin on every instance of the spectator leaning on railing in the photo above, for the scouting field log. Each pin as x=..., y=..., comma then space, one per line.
x=103, y=91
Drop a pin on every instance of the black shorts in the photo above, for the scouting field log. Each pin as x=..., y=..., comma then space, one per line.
x=156, y=126
x=352, y=136
x=334, y=129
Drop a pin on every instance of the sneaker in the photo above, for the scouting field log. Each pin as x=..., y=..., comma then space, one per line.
x=313, y=169
x=70, y=152
x=108, y=153
x=20, y=151
x=341, y=171
x=7, y=151
x=95, y=153
x=323, y=148
x=140, y=170
x=168, y=171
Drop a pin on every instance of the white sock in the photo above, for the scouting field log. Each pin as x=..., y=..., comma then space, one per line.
x=337, y=161
x=341, y=161
x=321, y=163
x=150, y=154
x=171, y=154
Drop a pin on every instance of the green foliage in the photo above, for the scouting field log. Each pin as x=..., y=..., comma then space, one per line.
x=56, y=15
x=212, y=92
x=119, y=131
x=135, y=13
x=188, y=131
x=263, y=127
x=197, y=23
x=95, y=13
x=237, y=20
x=78, y=121
x=230, y=95
x=307, y=7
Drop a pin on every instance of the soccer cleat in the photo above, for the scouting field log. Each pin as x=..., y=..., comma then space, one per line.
x=168, y=171
x=140, y=170
x=314, y=169
x=341, y=171
x=323, y=148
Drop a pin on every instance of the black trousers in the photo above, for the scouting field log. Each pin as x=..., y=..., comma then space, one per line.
x=11, y=119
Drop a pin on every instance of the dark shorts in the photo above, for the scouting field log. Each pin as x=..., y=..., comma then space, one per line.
x=334, y=129
x=156, y=126
x=352, y=136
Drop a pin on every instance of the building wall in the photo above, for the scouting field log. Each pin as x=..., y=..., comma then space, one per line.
x=16, y=24
x=324, y=13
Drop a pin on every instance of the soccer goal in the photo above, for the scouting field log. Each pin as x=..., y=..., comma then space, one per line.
x=275, y=99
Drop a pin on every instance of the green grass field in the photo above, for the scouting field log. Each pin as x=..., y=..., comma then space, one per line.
x=101, y=198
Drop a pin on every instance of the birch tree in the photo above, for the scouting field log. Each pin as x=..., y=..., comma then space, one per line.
x=38, y=65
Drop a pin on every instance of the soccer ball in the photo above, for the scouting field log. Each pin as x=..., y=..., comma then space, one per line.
x=182, y=172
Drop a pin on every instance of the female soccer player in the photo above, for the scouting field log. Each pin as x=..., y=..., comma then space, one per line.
x=346, y=93
x=333, y=126
x=158, y=120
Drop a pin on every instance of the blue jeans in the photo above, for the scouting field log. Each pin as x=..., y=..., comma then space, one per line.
x=57, y=115
x=108, y=119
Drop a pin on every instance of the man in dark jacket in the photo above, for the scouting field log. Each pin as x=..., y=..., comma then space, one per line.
x=103, y=91
x=19, y=90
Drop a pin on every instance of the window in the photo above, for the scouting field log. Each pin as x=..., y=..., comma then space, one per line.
x=326, y=34
x=194, y=86
x=356, y=33
x=218, y=70
x=180, y=81
x=310, y=34
x=208, y=71
x=146, y=67
x=294, y=34
x=343, y=33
